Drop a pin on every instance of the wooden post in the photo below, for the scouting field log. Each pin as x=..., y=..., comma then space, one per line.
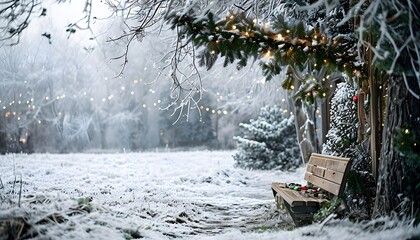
x=374, y=116
x=325, y=120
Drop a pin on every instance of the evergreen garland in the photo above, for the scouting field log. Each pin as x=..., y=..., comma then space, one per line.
x=269, y=142
x=238, y=37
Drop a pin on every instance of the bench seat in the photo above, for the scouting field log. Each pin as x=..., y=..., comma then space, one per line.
x=296, y=198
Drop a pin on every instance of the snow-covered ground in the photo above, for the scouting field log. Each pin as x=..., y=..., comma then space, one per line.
x=162, y=195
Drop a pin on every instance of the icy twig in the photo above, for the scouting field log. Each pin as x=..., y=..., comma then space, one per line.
x=20, y=190
x=323, y=223
x=408, y=87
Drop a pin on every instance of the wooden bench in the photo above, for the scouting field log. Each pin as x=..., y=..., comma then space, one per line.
x=323, y=171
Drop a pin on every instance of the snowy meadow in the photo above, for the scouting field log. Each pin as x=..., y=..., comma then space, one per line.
x=157, y=195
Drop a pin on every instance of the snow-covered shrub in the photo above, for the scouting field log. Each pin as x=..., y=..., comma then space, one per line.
x=344, y=122
x=269, y=142
x=361, y=185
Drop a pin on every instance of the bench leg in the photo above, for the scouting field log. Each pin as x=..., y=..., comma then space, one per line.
x=279, y=201
x=301, y=215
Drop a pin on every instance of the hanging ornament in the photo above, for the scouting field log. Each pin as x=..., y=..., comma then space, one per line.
x=355, y=98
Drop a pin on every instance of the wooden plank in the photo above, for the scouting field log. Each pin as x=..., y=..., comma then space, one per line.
x=317, y=161
x=329, y=186
x=291, y=198
x=334, y=176
x=318, y=171
x=276, y=187
x=329, y=157
x=297, y=198
x=310, y=201
x=336, y=165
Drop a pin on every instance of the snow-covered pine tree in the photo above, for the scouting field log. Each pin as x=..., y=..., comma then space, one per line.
x=269, y=142
x=343, y=114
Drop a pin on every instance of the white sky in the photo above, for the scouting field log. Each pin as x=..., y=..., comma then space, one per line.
x=59, y=16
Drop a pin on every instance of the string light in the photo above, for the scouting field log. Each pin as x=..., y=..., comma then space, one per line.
x=268, y=55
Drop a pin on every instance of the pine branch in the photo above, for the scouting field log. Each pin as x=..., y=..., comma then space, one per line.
x=238, y=38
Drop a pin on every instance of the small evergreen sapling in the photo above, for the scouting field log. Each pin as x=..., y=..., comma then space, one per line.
x=269, y=142
x=343, y=127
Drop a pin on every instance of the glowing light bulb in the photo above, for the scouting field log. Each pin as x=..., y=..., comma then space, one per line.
x=268, y=54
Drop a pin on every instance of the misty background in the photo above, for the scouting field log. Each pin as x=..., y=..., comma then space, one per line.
x=60, y=91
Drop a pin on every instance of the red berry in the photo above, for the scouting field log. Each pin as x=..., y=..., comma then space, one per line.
x=355, y=98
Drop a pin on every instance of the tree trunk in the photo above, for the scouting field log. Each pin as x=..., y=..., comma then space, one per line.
x=302, y=130
x=402, y=108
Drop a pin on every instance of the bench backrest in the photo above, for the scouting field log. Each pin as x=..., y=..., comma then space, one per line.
x=328, y=172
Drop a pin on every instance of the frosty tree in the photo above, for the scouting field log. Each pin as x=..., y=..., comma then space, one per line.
x=343, y=125
x=268, y=142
